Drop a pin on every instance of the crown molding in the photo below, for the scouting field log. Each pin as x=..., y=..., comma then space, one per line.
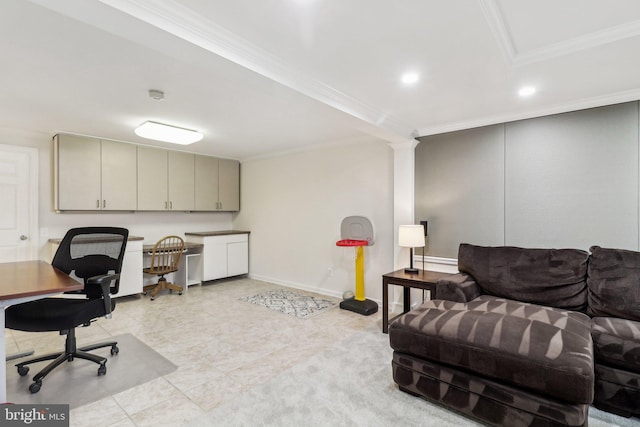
x=500, y=29
x=176, y=19
x=598, y=101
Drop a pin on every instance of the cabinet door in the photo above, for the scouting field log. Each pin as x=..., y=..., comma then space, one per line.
x=152, y=179
x=118, y=175
x=229, y=185
x=77, y=173
x=237, y=258
x=181, y=181
x=206, y=183
x=214, y=258
x=131, y=274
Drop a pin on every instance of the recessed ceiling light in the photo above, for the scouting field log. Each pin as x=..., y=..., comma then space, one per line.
x=409, y=78
x=527, y=91
x=168, y=133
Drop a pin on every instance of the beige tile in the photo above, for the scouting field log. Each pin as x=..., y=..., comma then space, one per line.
x=169, y=413
x=104, y=412
x=144, y=396
x=212, y=394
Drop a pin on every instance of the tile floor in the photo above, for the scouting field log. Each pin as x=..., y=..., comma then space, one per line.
x=222, y=346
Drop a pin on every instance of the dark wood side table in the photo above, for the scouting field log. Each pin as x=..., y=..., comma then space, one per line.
x=423, y=279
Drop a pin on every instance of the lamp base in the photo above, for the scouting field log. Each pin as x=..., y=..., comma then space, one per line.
x=366, y=307
x=411, y=270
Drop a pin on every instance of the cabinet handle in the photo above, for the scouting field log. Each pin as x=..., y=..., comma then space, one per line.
x=98, y=203
x=170, y=205
x=104, y=204
x=166, y=204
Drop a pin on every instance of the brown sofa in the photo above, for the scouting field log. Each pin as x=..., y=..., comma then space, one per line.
x=524, y=337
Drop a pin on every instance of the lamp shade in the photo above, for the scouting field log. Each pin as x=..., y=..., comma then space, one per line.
x=411, y=236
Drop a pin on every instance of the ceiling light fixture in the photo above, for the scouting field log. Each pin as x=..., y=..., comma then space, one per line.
x=409, y=78
x=527, y=91
x=168, y=133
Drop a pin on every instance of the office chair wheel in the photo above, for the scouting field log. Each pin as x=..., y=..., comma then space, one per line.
x=23, y=370
x=102, y=370
x=35, y=387
x=115, y=350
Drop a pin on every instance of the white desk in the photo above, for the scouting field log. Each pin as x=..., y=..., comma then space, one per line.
x=27, y=281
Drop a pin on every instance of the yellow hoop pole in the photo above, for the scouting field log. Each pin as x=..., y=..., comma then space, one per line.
x=360, y=273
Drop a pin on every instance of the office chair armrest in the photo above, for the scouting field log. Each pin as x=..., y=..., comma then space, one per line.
x=104, y=281
x=99, y=280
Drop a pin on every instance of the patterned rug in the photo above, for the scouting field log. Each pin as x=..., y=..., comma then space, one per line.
x=288, y=302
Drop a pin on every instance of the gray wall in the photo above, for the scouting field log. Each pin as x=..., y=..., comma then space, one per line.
x=567, y=180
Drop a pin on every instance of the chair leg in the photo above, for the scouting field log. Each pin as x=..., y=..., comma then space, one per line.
x=173, y=287
x=50, y=367
x=146, y=288
x=112, y=344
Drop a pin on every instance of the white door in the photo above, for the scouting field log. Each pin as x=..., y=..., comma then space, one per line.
x=19, y=203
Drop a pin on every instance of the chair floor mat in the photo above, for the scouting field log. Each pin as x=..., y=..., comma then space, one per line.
x=77, y=383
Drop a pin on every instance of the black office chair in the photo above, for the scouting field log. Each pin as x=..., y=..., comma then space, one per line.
x=92, y=255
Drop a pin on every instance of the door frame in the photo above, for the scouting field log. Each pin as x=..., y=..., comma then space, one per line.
x=33, y=249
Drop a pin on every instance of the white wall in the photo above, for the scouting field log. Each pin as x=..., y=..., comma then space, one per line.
x=293, y=205
x=150, y=225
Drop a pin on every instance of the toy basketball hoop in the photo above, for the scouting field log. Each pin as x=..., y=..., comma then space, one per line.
x=357, y=231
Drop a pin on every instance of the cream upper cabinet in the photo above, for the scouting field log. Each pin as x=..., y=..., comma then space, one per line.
x=206, y=184
x=93, y=174
x=181, y=181
x=165, y=180
x=118, y=175
x=217, y=184
x=229, y=185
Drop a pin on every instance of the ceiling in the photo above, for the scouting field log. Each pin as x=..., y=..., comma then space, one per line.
x=273, y=76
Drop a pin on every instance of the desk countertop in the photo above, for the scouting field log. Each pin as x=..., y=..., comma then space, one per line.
x=33, y=278
x=187, y=245
x=216, y=233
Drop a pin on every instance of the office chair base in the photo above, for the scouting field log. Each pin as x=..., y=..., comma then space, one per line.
x=70, y=353
x=162, y=284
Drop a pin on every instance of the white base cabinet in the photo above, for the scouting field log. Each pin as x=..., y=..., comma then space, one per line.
x=225, y=253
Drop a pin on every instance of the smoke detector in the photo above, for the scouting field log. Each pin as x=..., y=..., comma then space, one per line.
x=157, y=95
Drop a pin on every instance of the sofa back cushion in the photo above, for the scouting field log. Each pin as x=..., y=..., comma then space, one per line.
x=552, y=277
x=614, y=283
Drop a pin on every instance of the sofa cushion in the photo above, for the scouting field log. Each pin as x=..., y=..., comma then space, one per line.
x=537, y=348
x=614, y=283
x=554, y=277
x=616, y=342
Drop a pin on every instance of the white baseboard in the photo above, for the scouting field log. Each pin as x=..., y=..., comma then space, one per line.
x=446, y=265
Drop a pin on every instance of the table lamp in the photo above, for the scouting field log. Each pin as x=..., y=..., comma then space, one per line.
x=411, y=236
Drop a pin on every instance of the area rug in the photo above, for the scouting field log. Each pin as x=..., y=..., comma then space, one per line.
x=348, y=384
x=76, y=383
x=288, y=302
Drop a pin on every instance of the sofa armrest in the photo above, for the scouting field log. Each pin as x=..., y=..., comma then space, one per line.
x=459, y=287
